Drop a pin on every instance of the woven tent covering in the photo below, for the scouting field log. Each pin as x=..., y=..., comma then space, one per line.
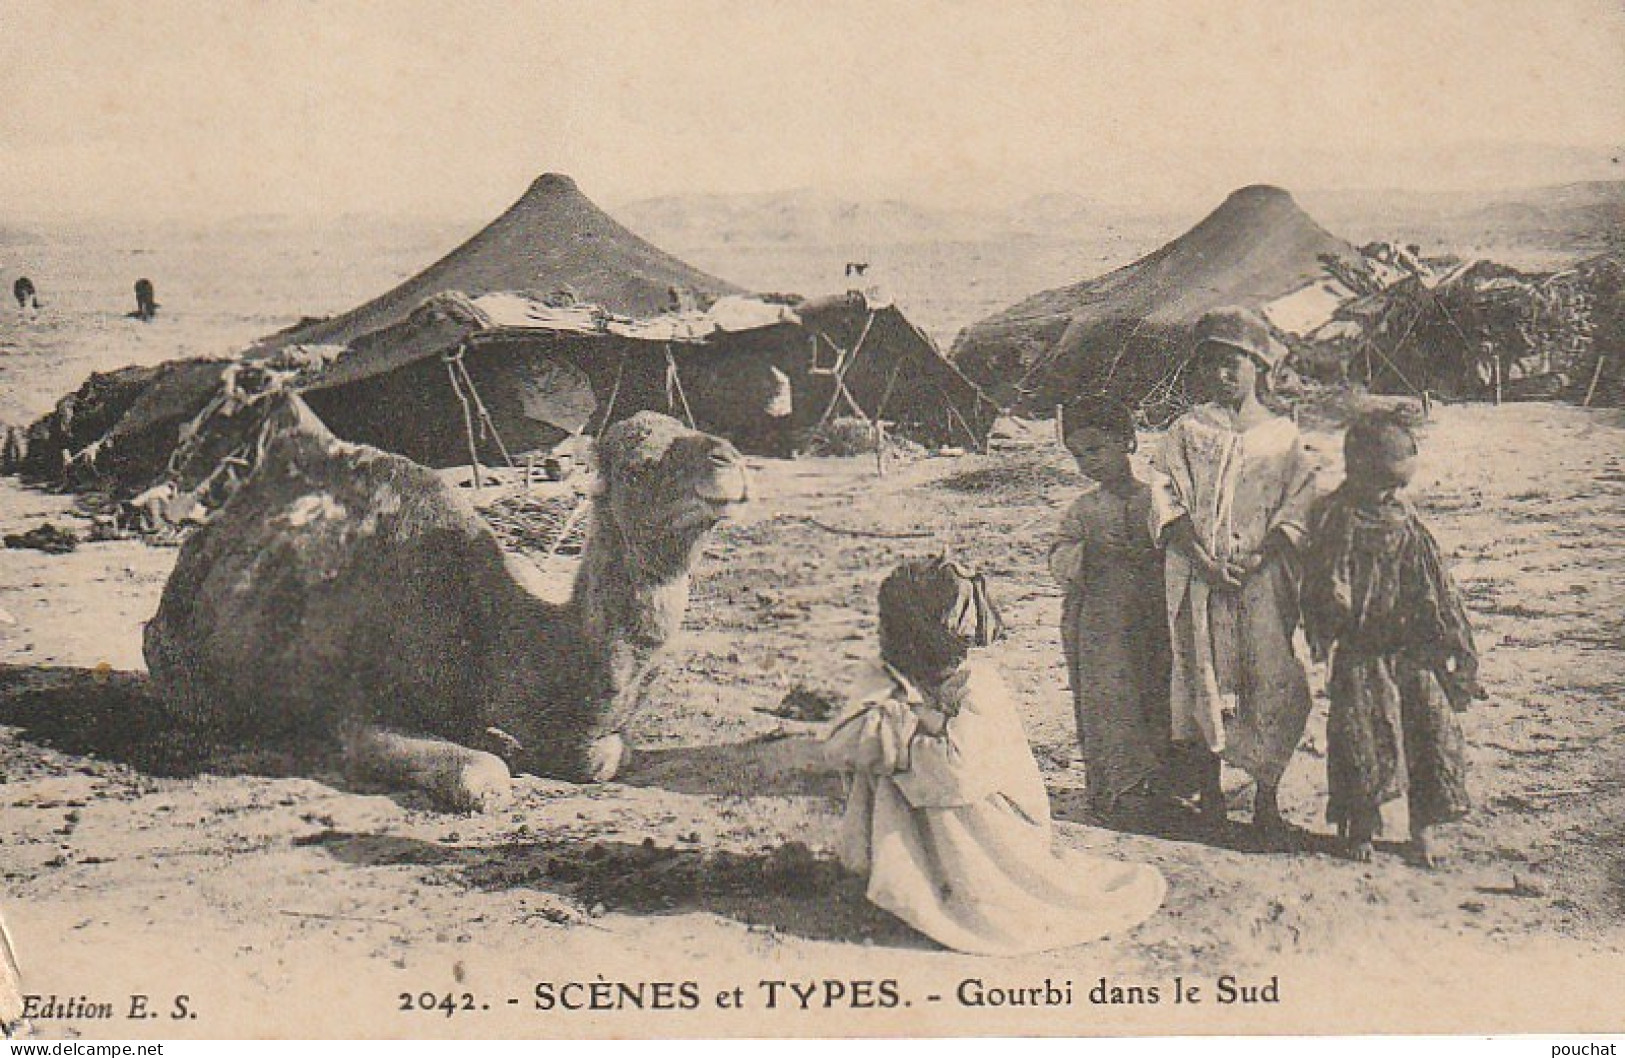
x=554, y=238
x=504, y=378
x=1127, y=332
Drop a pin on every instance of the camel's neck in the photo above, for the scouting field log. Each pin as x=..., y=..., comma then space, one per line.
x=627, y=597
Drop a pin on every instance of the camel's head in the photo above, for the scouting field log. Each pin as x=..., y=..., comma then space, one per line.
x=663, y=485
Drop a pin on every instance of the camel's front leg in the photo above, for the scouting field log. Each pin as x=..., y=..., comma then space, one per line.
x=459, y=779
x=607, y=751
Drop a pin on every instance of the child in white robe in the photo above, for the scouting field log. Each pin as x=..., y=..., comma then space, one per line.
x=11, y=986
x=946, y=812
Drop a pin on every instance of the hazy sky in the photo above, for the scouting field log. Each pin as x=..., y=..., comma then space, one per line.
x=451, y=108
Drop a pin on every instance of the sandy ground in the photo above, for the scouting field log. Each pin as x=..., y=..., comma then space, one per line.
x=284, y=903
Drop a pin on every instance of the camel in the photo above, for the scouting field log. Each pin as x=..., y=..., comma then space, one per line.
x=346, y=593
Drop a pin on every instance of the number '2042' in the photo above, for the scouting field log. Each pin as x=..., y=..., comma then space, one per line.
x=434, y=1002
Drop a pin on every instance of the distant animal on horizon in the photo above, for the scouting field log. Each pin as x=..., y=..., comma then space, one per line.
x=146, y=302
x=856, y=268
x=27, y=297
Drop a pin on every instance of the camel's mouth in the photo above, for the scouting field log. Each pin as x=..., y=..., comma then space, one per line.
x=725, y=490
x=705, y=508
x=724, y=500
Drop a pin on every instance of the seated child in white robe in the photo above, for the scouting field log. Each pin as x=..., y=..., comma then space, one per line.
x=946, y=812
x=11, y=986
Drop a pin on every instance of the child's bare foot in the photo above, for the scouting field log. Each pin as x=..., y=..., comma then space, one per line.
x=1213, y=811
x=1269, y=827
x=1357, y=832
x=1213, y=816
x=1276, y=835
x=1424, y=848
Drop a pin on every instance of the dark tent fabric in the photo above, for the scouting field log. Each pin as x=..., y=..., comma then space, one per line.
x=120, y=424
x=426, y=366
x=724, y=380
x=80, y=419
x=1126, y=332
x=899, y=374
x=551, y=239
x=501, y=377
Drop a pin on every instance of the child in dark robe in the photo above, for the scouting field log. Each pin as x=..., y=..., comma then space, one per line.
x=1114, y=634
x=1379, y=602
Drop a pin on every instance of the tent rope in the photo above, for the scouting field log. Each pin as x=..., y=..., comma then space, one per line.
x=486, y=421
x=468, y=422
x=614, y=392
x=845, y=360
x=674, y=380
x=1410, y=328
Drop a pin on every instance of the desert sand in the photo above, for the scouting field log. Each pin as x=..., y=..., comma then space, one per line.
x=283, y=902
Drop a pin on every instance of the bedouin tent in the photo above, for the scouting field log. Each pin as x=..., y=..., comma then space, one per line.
x=588, y=282
x=490, y=379
x=552, y=242
x=553, y=239
x=1127, y=333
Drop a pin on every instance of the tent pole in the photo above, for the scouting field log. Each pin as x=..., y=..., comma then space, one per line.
x=947, y=398
x=1409, y=384
x=847, y=359
x=1371, y=346
x=891, y=383
x=1596, y=375
x=486, y=421
x=675, y=379
x=614, y=392
x=953, y=414
x=1467, y=342
x=840, y=380
x=468, y=418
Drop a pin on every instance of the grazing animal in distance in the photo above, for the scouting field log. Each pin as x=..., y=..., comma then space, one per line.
x=27, y=297
x=146, y=302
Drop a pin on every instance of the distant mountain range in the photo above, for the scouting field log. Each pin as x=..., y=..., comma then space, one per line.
x=1536, y=227
x=10, y=235
x=1568, y=221
x=819, y=218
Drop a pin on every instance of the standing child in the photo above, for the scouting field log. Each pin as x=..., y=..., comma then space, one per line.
x=946, y=814
x=1379, y=601
x=1113, y=629
x=1233, y=492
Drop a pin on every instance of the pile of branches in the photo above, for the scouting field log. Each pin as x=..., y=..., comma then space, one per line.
x=543, y=525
